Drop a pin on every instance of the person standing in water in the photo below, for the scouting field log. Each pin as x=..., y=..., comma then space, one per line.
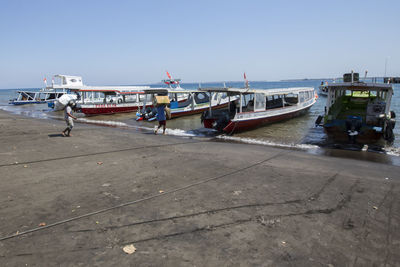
x=69, y=118
x=161, y=118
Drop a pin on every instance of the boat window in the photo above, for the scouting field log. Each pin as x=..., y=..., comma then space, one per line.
x=130, y=98
x=203, y=97
x=260, y=102
x=144, y=97
x=301, y=94
x=246, y=99
x=51, y=96
x=274, y=102
x=185, y=102
x=373, y=93
x=291, y=99
x=31, y=95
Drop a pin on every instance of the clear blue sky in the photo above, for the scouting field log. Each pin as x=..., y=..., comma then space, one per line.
x=130, y=42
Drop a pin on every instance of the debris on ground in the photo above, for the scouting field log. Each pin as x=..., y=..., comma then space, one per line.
x=349, y=224
x=270, y=222
x=161, y=191
x=99, y=163
x=375, y=207
x=106, y=184
x=129, y=249
x=236, y=193
x=42, y=224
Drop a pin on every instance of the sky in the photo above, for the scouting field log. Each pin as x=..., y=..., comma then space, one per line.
x=134, y=42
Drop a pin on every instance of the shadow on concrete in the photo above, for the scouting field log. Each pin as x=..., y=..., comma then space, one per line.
x=55, y=135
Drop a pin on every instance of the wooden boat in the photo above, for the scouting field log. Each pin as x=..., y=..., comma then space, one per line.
x=257, y=107
x=358, y=112
x=185, y=102
x=93, y=100
x=36, y=97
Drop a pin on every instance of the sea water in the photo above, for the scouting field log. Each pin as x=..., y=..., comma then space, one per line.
x=298, y=133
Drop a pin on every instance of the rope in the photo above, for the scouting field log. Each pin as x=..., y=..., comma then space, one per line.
x=101, y=153
x=140, y=200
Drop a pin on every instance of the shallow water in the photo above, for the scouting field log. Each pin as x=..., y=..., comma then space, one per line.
x=297, y=133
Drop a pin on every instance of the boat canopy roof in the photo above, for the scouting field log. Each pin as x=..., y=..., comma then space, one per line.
x=360, y=86
x=274, y=91
x=69, y=80
x=29, y=92
x=168, y=90
x=75, y=83
x=119, y=89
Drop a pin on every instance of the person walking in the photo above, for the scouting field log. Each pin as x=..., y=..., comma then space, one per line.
x=69, y=118
x=161, y=118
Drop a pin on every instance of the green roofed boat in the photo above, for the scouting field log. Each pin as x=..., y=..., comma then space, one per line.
x=359, y=112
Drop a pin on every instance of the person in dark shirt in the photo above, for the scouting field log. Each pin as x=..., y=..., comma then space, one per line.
x=161, y=118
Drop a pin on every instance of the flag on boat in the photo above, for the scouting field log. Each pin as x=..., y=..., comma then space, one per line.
x=169, y=76
x=244, y=75
x=45, y=81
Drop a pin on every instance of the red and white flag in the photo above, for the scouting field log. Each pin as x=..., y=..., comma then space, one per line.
x=169, y=76
x=45, y=81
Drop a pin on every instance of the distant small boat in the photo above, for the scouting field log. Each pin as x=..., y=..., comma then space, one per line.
x=323, y=89
x=257, y=107
x=36, y=97
x=93, y=100
x=358, y=112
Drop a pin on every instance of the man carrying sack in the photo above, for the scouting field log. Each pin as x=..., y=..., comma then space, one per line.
x=161, y=103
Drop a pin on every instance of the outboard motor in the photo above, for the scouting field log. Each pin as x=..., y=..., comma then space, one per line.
x=353, y=126
x=318, y=121
x=204, y=115
x=221, y=122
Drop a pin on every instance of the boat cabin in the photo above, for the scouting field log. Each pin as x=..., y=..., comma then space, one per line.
x=368, y=101
x=36, y=97
x=359, y=112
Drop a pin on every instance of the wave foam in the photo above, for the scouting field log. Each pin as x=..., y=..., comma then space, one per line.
x=393, y=151
x=266, y=142
x=107, y=123
x=168, y=131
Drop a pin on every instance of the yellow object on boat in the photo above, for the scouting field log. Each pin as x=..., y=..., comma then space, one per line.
x=161, y=99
